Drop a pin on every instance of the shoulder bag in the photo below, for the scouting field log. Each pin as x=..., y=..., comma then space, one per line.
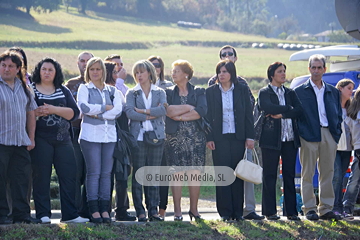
x=249, y=171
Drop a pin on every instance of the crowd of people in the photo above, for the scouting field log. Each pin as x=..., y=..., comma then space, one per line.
x=75, y=128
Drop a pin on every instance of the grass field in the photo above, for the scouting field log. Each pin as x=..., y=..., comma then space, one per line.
x=64, y=35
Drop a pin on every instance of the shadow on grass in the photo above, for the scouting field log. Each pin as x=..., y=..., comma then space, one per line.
x=25, y=21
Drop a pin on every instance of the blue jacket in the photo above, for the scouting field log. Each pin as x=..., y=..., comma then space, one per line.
x=309, y=122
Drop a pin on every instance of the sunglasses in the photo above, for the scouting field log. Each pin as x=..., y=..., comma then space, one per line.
x=227, y=53
x=157, y=65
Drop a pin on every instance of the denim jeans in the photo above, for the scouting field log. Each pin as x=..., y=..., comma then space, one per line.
x=99, y=162
x=352, y=187
x=341, y=164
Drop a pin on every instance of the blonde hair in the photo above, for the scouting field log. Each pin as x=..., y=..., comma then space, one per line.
x=145, y=65
x=185, y=66
x=91, y=62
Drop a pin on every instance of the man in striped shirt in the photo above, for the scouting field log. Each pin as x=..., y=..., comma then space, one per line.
x=17, y=132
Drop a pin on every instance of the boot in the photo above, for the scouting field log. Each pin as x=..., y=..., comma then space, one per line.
x=93, y=208
x=104, y=207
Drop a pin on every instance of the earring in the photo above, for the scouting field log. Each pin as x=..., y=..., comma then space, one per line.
x=186, y=77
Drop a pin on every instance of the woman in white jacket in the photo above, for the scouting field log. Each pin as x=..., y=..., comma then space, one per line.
x=100, y=105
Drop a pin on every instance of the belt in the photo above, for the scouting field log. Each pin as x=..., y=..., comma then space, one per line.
x=324, y=126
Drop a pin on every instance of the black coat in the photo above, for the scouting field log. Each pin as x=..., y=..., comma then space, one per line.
x=244, y=121
x=269, y=103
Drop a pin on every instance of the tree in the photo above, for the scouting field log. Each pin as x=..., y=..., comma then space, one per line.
x=288, y=25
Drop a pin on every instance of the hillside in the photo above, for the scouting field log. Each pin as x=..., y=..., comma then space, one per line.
x=63, y=35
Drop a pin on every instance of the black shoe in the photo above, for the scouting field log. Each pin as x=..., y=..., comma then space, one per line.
x=125, y=217
x=238, y=219
x=312, y=215
x=330, y=216
x=5, y=220
x=143, y=219
x=156, y=219
x=197, y=218
x=293, y=218
x=253, y=216
x=225, y=219
x=28, y=220
x=273, y=217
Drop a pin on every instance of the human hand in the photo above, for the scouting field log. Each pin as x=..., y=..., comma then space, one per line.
x=31, y=146
x=210, y=145
x=276, y=116
x=109, y=107
x=249, y=143
x=122, y=73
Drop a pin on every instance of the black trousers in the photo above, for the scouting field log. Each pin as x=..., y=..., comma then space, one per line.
x=270, y=159
x=229, y=199
x=121, y=197
x=163, y=190
x=15, y=166
x=80, y=173
x=43, y=156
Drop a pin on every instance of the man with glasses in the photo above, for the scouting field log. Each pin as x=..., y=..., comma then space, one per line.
x=229, y=52
x=120, y=81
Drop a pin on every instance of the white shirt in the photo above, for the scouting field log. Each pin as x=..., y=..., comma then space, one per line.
x=104, y=132
x=146, y=126
x=320, y=102
x=120, y=85
x=228, y=110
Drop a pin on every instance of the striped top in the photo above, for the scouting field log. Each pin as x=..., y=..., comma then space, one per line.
x=54, y=127
x=13, y=108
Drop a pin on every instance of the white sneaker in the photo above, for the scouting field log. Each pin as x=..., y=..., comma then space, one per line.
x=45, y=220
x=77, y=220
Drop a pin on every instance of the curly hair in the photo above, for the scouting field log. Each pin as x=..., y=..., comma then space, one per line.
x=59, y=77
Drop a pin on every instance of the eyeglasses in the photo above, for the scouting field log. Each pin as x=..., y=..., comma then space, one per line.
x=227, y=53
x=157, y=65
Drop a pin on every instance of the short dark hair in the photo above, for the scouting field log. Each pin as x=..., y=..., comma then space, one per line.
x=225, y=47
x=272, y=68
x=112, y=56
x=153, y=58
x=110, y=66
x=21, y=51
x=230, y=67
x=17, y=59
x=59, y=77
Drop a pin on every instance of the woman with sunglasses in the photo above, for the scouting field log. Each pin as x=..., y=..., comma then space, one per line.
x=162, y=83
x=159, y=67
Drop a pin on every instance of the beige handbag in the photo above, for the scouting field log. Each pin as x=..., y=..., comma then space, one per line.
x=249, y=171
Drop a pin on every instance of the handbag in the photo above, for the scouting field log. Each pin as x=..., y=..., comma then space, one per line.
x=150, y=139
x=258, y=126
x=249, y=171
x=204, y=125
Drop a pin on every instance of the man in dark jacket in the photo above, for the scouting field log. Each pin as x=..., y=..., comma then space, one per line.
x=320, y=130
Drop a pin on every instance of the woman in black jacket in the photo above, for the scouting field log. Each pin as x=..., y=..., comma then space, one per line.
x=231, y=119
x=279, y=137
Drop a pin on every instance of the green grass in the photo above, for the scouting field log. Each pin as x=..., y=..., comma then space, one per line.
x=184, y=230
x=64, y=35
x=61, y=26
